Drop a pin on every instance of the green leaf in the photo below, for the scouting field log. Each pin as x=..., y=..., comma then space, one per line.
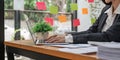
x=41, y=27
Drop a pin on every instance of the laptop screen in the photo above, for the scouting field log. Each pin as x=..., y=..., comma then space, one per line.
x=29, y=25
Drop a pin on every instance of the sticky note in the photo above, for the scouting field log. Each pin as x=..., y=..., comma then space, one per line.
x=90, y=1
x=73, y=6
x=53, y=9
x=93, y=20
x=41, y=5
x=62, y=18
x=49, y=20
x=18, y=4
x=76, y=22
x=84, y=10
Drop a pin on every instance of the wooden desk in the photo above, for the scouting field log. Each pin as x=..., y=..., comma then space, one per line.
x=28, y=49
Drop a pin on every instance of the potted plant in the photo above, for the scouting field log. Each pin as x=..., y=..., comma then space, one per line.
x=41, y=30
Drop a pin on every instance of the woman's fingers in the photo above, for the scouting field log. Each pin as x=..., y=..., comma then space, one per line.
x=51, y=39
x=55, y=39
x=52, y=36
x=60, y=40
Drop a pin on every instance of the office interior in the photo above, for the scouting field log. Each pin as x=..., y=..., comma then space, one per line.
x=63, y=15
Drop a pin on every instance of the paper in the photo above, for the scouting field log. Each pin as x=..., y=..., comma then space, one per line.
x=93, y=20
x=76, y=22
x=74, y=6
x=52, y=44
x=109, y=50
x=80, y=50
x=84, y=10
x=53, y=9
x=49, y=20
x=106, y=44
x=62, y=18
x=18, y=4
x=90, y=1
x=73, y=45
x=41, y=5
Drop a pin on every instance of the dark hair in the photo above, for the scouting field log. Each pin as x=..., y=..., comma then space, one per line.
x=106, y=3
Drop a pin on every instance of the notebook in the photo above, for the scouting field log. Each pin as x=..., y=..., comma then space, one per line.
x=37, y=42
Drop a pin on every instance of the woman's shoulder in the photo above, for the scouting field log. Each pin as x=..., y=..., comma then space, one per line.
x=106, y=8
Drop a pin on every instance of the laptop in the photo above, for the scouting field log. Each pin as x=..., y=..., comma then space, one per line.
x=38, y=42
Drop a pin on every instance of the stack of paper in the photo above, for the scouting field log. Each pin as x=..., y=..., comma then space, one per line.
x=109, y=51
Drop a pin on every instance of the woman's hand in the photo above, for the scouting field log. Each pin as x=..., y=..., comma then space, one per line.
x=55, y=39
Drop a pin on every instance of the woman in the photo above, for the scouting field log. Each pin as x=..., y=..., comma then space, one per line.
x=105, y=29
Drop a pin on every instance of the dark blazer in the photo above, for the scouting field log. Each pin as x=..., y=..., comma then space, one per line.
x=94, y=33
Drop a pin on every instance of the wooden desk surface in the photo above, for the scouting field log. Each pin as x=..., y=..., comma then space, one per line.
x=29, y=45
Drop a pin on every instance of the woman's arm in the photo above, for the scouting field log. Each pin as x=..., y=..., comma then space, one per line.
x=94, y=27
x=112, y=34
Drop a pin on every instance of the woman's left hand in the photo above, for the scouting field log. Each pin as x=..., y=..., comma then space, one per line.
x=56, y=39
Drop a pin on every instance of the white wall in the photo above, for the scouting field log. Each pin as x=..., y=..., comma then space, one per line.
x=84, y=19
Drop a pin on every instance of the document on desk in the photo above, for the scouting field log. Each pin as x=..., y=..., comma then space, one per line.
x=80, y=50
x=108, y=50
x=106, y=44
x=73, y=45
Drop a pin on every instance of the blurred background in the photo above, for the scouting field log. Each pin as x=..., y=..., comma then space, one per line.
x=17, y=12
